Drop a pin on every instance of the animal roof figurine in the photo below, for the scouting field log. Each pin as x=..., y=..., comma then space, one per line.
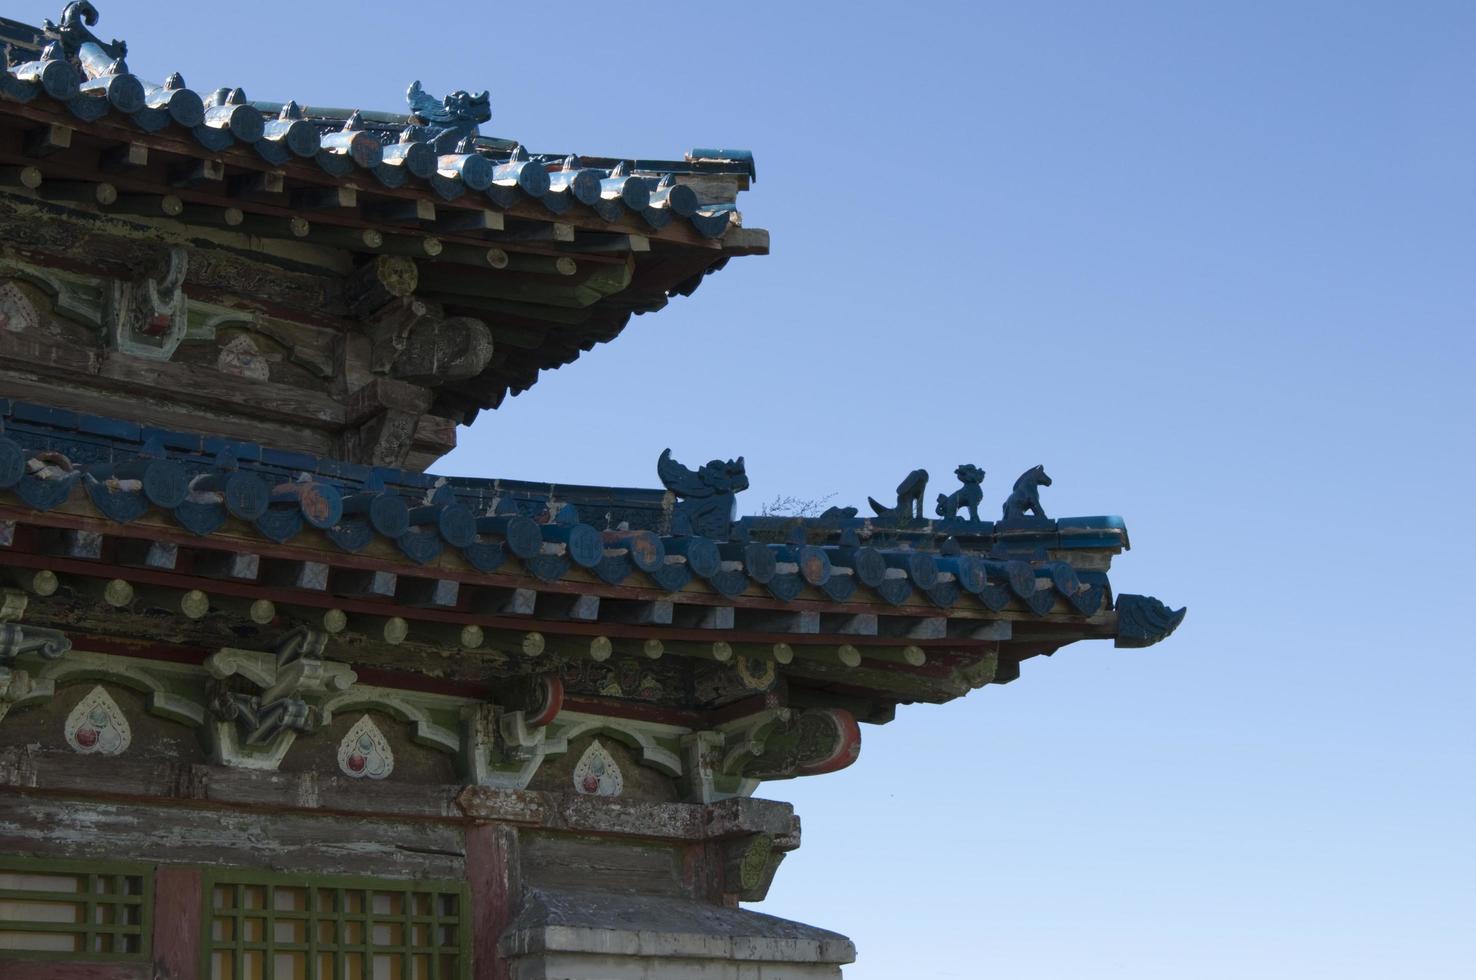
x=709, y=494
x=1025, y=498
x=970, y=495
x=909, y=498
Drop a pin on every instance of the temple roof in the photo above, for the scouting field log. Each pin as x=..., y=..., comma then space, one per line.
x=436, y=147
x=552, y=251
x=899, y=608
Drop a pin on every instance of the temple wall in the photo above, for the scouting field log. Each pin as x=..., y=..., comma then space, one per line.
x=221, y=869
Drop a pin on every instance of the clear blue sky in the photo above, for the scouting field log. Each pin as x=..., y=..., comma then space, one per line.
x=1211, y=263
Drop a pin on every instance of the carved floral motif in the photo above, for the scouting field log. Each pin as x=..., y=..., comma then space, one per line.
x=17, y=313
x=596, y=773
x=97, y=725
x=242, y=358
x=364, y=752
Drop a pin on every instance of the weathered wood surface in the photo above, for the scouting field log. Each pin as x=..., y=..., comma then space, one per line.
x=494, y=877
x=287, y=842
x=626, y=867
x=24, y=383
x=53, y=970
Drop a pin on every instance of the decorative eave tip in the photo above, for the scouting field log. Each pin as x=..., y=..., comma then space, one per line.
x=73, y=31
x=1143, y=621
x=707, y=154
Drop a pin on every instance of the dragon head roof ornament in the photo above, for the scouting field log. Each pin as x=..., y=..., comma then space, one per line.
x=446, y=122
x=709, y=494
x=73, y=31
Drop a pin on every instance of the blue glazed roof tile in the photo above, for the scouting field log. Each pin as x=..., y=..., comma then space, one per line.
x=70, y=65
x=282, y=494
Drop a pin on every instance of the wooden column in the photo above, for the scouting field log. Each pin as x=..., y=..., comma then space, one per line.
x=492, y=873
x=178, y=900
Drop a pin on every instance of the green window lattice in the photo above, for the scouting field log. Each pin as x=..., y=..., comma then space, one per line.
x=289, y=927
x=74, y=909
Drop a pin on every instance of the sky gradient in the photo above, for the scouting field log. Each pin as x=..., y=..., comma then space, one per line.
x=1210, y=263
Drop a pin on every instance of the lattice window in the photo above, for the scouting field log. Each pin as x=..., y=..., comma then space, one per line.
x=296, y=928
x=74, y=910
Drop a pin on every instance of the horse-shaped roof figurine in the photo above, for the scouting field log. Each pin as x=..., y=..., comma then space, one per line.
x=1025, y=498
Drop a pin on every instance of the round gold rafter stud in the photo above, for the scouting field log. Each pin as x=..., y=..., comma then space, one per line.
x=117, y=593
x=45, y=582
x=395, y=630
x=194, y=604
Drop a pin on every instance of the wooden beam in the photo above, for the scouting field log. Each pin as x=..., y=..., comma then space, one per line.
x=466, y=220
x=914, y=628
x=48, y=139
x=363, y=583
x=127, y=157
x=560, y=605
x=260, y=186
x=80, y=191
x=308, y=575
x=640, y=613
x=28, y=177
x=198, y=173
x=401, y=211
x=779, y=621
x=241, y=566
x=146, y=553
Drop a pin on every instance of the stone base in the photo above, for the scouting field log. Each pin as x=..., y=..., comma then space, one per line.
x=579, y=935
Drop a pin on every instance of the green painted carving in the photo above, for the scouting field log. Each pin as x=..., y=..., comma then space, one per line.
x=783, y=743
x=204, y=319
x=17, y=642
x=435, y=717
x=981, y=671
x=702, y=752
x=255, y=731
x=148, y=316
x=502, y=750
x=172, y=691
x=656, y=745
x=73, y=297
x=754, y=861
x=505, y=751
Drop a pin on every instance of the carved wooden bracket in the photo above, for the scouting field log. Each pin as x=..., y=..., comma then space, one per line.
x=16, y=641
x=415, y=341
x=256, y=730
x=149, y=316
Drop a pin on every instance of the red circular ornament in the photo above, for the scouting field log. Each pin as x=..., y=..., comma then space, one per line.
x=591, y=784
x=86, y=737
x=356, y=762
